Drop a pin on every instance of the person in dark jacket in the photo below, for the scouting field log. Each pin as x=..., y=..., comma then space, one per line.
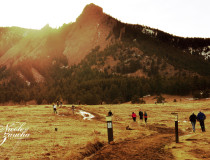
x=193, y=119
x=73, y=108
x=201, y=117
x=134, y=116
x=110, y=113
x=57, y=103
x=141, y=115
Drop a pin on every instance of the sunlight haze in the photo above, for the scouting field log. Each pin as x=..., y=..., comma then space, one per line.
x=188, y=18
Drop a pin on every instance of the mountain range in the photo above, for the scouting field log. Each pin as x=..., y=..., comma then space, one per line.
x=104, y=44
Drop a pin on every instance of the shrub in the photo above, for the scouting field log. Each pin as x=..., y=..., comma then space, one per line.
x=160, y=99
x=142, y=101
x=135, y=99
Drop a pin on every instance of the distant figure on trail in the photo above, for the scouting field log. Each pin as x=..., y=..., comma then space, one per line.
x=110, y=113
x=145, y=117
x=61, y=104
x=73, y=108
x=54, y=108
x=57, y=103
x=201, y=117
x=193, y=119
x=134, y=116
x=141, y=115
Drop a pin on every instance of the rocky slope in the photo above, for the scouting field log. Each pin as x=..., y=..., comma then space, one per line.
x=31, y=53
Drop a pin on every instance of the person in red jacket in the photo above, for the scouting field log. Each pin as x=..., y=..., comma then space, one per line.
x=145, y=117
x=134, y=116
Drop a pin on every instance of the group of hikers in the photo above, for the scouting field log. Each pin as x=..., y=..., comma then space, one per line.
x=193, y=118
x=200, y=117
x=142, y=116
x=59, y=103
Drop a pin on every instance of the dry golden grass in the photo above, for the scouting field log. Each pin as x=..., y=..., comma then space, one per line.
x=76, y=138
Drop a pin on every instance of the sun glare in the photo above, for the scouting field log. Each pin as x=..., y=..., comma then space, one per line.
x=36, y=14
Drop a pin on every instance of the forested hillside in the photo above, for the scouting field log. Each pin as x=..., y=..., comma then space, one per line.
x=81, y=84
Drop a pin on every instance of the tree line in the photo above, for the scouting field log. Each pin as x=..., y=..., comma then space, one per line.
x=81, y=84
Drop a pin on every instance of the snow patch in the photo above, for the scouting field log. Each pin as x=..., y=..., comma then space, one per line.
x=37, y=76
x=149, y=31
x=62, y=67
x=146, y=96
x=190, y=49
x=191, y=99
x=86, y=115
x=205, y=52
x=23, y=77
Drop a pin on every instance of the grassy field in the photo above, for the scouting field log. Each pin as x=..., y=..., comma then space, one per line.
x=77, y=138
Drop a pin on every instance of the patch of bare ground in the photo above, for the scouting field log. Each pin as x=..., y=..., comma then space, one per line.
x=141, y=148
x=199, y=153
x=163, y=129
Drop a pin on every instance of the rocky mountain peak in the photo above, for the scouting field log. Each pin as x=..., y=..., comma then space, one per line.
x=92, y=9
x=90, y=12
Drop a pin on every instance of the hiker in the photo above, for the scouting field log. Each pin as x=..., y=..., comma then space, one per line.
x=54, y=108
x=57, y=103
x=201, y=117
x=110, y=113
x=193, y=119
x=141, y=115
x=134, y=116
x=61, y=104
x=73, y=108
x=145, y=117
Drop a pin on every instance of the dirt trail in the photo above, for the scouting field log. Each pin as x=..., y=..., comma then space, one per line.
x=158, y=146
x=143, y=147
x=151, y=147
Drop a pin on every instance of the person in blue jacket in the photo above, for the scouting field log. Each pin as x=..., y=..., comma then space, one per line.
x=201, y=117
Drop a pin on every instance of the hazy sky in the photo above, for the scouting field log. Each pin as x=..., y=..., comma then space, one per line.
x=186, y=18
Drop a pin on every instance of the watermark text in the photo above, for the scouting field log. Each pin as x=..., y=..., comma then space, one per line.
x=15, y=130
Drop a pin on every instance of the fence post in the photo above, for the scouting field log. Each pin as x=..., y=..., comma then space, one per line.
x=176, y=127
x=109, y=128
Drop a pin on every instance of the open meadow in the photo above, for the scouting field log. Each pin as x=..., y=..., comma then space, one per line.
x=71, y=136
